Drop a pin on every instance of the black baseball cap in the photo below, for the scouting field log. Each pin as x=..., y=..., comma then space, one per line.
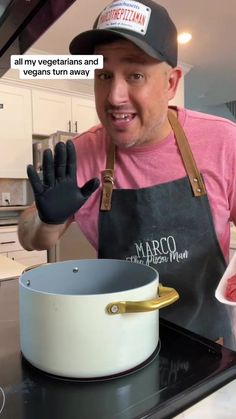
x=144, y=22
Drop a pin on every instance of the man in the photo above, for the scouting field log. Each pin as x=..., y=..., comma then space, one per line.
x=167, y=178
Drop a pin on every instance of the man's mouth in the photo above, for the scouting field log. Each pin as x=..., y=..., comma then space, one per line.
x=122, y=116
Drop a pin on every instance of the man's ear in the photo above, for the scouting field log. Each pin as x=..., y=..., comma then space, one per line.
x=173, y=81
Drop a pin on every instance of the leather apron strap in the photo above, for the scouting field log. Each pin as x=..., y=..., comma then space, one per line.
x=192, y=171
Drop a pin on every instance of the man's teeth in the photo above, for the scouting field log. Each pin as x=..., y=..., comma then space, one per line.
x=124, y=116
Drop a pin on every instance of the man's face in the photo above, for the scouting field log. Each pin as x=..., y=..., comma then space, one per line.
x=132, y=93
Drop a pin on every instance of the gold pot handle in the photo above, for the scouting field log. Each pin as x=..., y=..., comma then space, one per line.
x=166, y=297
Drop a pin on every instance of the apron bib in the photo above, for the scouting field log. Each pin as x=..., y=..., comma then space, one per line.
x=170, y=227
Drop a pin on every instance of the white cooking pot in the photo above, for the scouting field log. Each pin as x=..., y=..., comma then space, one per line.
x=90, y=318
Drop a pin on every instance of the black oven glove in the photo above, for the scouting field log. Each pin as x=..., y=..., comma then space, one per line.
x=57, y=195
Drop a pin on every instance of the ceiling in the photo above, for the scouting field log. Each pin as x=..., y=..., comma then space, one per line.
x=211, y=54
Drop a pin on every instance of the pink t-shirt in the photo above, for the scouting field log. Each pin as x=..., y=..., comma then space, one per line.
x=213, y=143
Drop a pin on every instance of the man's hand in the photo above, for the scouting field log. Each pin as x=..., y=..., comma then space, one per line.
x=57, y=196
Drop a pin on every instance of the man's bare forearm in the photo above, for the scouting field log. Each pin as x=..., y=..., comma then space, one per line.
x=36, y=235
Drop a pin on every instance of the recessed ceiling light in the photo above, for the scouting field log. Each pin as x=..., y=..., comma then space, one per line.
x=184, y=37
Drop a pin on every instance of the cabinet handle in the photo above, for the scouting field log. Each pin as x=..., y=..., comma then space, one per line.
x=69, y=126
x=76, y=126
x=10, y=242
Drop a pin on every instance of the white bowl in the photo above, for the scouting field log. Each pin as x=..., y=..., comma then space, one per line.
x=221, y=289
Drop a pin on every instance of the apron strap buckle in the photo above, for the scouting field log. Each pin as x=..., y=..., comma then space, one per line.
x=107, y=188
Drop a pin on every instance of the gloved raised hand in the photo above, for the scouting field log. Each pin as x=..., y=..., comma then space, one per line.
x=57, y=196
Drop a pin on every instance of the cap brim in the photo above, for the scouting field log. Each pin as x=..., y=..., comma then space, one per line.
x=86, y=42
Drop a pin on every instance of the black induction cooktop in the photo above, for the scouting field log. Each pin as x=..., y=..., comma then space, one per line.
x=186, y=369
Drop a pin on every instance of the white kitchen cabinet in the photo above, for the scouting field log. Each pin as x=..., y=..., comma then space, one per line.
x=58, y=112
x=11, y=247
x=83, y=114
x=51, y=112
x=16, y=131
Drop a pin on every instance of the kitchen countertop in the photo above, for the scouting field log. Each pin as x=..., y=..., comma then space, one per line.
x=10, y=268
x=219, y=405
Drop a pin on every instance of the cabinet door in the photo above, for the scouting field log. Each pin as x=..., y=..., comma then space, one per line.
x=51, y=112
x=11, y=247
x=16, y=131
x=84, y=114
x=9, y=239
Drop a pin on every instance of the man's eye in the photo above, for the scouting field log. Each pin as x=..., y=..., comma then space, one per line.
x=136, y=76
x=104, y=76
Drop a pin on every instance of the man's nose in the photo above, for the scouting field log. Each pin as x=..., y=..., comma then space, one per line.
x=118, y=93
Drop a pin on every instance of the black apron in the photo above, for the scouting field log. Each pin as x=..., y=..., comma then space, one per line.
x=170, y=227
